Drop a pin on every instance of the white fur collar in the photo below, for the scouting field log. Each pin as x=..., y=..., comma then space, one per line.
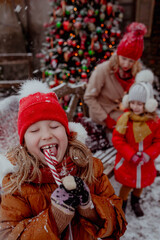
x=5, y=167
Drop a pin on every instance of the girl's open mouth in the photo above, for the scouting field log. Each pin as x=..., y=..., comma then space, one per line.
x=52, y=148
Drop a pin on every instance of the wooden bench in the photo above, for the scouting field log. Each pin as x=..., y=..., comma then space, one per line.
x=107, y=157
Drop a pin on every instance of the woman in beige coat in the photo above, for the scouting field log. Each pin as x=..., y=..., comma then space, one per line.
x=112, y=79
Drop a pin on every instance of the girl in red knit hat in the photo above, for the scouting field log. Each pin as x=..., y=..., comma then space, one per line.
x=52, y=187
x=112, y=78
x=137, y=140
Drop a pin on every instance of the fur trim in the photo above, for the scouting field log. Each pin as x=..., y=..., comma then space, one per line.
x=145, y=76
x=81, y=131
x=69, y=182
x=125, y=101
x=32, y=86
x=151, y=105
x=5, y=167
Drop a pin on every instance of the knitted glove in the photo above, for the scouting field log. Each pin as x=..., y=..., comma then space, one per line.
x=145, y=157
x=77, y=188
x=136, y=159
x=110, y=122
x=65, y=198
x=63, y=206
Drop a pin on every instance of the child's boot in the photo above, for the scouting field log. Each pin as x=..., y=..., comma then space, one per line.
x=136, y=205
x=124, y=205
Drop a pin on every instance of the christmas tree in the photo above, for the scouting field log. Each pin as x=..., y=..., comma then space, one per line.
x=79, y=35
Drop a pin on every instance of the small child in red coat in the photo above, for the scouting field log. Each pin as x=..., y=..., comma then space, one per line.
x=137, y=140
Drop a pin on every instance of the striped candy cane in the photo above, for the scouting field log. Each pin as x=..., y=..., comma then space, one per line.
x=52, y=162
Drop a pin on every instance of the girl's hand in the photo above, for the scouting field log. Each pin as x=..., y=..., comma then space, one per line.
x=136, y=159
x=78, y=188
x=62, y=197
x=63, y=206
x=145, y=157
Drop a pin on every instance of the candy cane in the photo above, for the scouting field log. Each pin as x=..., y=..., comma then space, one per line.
x=52, y=162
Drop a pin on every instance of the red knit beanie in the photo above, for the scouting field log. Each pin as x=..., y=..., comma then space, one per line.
x=38, y=103
x=131, y=45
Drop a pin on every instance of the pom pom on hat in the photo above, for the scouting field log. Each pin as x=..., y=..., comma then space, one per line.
x=139, y=29
x=69, y=182
x=131, y=45
x=145, y=75
x=33, y=86
x=151, y=105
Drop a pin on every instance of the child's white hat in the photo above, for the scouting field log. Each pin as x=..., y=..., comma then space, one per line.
x=142, y=91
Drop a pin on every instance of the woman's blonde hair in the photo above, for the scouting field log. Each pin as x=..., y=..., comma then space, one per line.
x=29, y=166
x=114, y=64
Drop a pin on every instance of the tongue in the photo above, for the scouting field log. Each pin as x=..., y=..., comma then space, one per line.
x=52, y=150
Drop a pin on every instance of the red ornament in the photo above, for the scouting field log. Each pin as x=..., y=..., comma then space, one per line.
x=83, y=1
x=47, y=39
x=72, y=80
x=57, y=36
x=73, y=71
x=69, y=42
x=74, y=43
x=83, y=40
x=67, y=26
x=113, y=33
x=61, y=31
x=60, y=42
x=80, y=114
x=83, y=75
x=109, y=8
x=118, y=33
x=78, y=63
x=53, y=83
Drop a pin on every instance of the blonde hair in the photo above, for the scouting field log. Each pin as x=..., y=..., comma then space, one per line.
x=114, y=64
x=29, y=166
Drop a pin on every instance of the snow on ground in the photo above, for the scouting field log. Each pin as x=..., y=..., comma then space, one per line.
x=148, y=226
